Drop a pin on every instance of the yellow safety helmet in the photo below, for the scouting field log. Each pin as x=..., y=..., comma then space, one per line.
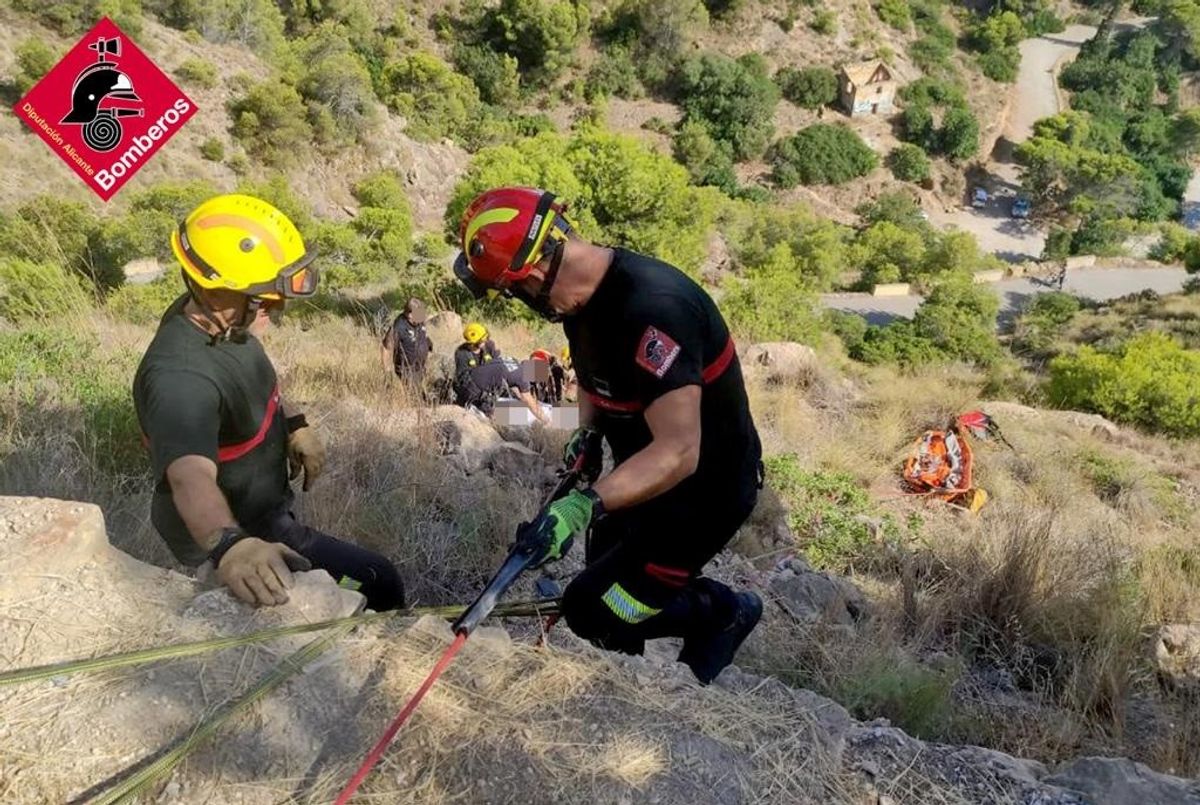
x=474, y=332
x=565, y=354
x=242, y=243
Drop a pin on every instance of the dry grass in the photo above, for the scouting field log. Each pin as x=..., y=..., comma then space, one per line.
x=1086, y=546
x=1054, y=587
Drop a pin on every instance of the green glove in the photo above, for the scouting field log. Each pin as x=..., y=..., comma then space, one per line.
x=588, y=442
x=552, y=532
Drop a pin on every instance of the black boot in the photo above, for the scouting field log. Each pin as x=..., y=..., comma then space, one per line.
x=708, y=651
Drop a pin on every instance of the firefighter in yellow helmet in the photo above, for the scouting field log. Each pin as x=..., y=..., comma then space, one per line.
x=475, y=350
x=222, y=445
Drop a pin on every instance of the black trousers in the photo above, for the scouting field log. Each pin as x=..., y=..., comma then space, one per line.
x=350, y=565
x=642, y=580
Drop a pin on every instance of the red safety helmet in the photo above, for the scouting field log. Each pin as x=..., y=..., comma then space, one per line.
x=505, y=232
x=540, y=355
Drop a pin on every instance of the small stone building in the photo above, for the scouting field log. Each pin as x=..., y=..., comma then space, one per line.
x=867, y=88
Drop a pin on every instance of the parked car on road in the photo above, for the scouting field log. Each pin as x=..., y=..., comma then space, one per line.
x=979, y=198
x=1020, y=207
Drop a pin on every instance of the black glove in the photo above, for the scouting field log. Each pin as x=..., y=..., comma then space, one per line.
x=588, y=442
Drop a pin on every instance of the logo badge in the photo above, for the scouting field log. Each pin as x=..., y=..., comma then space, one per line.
x=105, y=108
x=656, y=352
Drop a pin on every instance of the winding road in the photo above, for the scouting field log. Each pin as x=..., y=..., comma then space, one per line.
x=1034, y=95
x=1097, y=284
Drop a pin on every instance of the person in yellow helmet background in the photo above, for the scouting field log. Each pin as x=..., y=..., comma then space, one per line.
x=475, y=350
x=222, y=445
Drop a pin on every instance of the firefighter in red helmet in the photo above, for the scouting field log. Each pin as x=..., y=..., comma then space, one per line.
x=659, y=380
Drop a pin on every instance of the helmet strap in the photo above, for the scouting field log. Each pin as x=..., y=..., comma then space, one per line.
x=236, y=333
x=540, y=304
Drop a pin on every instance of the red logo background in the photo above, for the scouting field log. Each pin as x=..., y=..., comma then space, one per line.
x=164, y=111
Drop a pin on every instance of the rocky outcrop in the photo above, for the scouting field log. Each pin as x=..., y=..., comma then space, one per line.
x=812, y=597
x=1118, y=781
x=1177, y=654
x=780, y=362
x=507, y=723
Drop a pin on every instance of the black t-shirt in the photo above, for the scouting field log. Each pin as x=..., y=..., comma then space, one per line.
x=410, y=346
x=220, y=400
x=649, y=330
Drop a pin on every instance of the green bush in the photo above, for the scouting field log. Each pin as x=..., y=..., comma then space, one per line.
x=824, y=22
x=958, y=137
x=915, y=698
x=337, y=83
x=772, y=302
x=895, y=13
x=58, y=372
x=1173, y=244
x=956, y=322
x=734, y=99
x=917, y=126
x=436, y=101
x=909, y=163
x=270, y=121
x=31, y=292
x=46, y=229
x=384, y=219
x=809, y=87
x=213, y=150
x=930, y=92
x=495, y=74
x=933, y=51
x=73, y=17
x=199, y=72
x=541, y=34
x=34, y=60
x=144, y=304
x=815, y=251
x=1150, y=382
x=1043, y=322
x=657, y=34
x=996, y=37
x=830, y=514
x=613, y=74
x=821, y=154
x=620, y=191
x=888, y=252
x=897, y=206
x=257, y=25
x=708, y=162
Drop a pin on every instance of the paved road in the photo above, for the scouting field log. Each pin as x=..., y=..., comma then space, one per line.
x=1034, y=95
x=1099, y=284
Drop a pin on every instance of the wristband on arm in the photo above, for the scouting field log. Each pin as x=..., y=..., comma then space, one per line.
x=295, y=423
x=230, y=536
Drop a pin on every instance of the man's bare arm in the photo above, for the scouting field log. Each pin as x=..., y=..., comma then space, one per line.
x=672, y=455
x=198, y=499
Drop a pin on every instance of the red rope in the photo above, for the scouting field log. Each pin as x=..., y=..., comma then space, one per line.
x=379, y=748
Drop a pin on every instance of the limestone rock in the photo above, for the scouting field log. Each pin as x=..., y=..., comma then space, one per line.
x=780, y=362
x=510, y=462
x=46, y=536
x=315, y=596
x=1120, y=781
x=812, y=597
x=1177, y=652
x=445, y=331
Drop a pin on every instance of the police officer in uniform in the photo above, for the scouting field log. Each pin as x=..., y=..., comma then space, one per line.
x=406, y=345
x=660, y=381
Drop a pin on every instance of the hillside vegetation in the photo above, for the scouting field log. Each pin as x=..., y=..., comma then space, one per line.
x=705, y=133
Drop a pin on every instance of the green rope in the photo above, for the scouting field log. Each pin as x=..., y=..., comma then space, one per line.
x=518, y=609
x=285, y=668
